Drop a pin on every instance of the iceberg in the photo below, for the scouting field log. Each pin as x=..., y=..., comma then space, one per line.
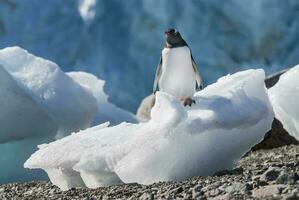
x=284, y=96
x=229, y=117
x=70, y=106
x=40, y=103
x=18, y=109
x=106, y=111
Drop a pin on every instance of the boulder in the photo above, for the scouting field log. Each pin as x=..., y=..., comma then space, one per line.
x=277, y=136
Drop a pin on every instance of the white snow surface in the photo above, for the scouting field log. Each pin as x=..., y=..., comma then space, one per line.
x=107, y=111
x=284, y=97
x=18, y=109
x=229, y=117
x=71, y=107
x=39, y=102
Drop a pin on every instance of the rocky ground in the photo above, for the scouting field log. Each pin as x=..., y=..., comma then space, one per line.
x=263, y=174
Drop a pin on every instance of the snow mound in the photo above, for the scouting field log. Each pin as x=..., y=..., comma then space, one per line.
x=18, y=110
x=39, y=102
x=229, y=117
x=69, y=105
x=106, y=111
x=285, y=100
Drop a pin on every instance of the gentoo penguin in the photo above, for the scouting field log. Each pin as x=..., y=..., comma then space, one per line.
x=177, y=72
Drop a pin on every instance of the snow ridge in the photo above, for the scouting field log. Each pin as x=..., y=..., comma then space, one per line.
x=39, y=102
x=229, y=117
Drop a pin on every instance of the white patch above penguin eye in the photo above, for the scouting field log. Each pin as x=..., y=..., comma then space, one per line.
x=175, y=32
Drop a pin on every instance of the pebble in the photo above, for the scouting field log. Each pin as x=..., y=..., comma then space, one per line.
x=294, y=195
x=264, y=174
x=271, y=174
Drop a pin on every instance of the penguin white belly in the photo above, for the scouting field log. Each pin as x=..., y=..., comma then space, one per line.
x=178, y=76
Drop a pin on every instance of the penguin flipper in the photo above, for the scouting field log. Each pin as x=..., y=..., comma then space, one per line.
x=158, y=75
x=199, y=83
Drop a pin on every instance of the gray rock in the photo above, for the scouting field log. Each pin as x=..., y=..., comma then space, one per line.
x=177, y=190
x=271, y=174
x=214, y=192
x=147, y=196
x=239, y=188
x=272, y=79
x=293, y=178
x=294, y=195
x=236, y=171
x=277, y=136
x=282, y=178
x=249, y=184
x=266, y=191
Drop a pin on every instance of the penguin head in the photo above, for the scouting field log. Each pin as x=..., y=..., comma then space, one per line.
x=174, y=38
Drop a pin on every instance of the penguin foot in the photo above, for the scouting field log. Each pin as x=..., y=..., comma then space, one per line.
x=188, y=101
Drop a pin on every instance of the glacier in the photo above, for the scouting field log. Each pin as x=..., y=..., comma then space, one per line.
x=40, y=103
x=284, y=97
x=123, y=47
x=229, y=117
